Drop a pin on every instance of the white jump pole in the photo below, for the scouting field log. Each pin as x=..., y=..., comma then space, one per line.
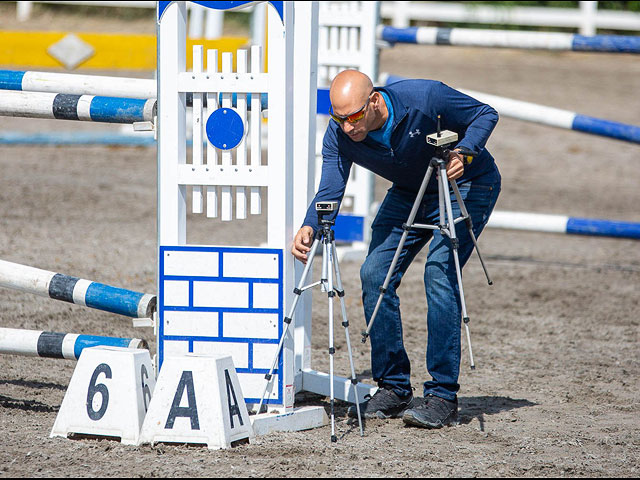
x=35, y=343
x=76, y=290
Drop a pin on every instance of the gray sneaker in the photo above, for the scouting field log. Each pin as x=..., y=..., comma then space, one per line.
x=383, y=404
x=434, y=412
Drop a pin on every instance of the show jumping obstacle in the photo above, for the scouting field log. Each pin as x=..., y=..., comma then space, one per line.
x=77, y=84
x=33, y=343
x=239, y=293
x=76, y=107
x=554, y=117
x=509, y=39
x=76, y=290
x=563, y=224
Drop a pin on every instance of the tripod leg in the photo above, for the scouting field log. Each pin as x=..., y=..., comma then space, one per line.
x=403, y=239
x=345, y=324
x=287, y=320
x=451, y=228
x=330, y=293
x=467, y=219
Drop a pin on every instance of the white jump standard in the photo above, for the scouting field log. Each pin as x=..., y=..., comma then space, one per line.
x=230, y=299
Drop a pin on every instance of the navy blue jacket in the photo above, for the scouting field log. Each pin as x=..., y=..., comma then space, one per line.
x=416, y=106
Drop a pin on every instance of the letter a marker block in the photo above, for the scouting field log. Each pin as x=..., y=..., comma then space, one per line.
x=108, y=395
x=198, y=400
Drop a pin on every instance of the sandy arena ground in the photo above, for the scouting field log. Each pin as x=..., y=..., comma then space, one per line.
x=556, y=391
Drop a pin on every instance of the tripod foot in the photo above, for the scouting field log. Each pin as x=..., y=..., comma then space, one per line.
x=334, y=439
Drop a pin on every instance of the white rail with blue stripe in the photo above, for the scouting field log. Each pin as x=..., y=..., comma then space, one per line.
x=544, y=115
x=76, y=107
x=563, y=224
x=76, y=290
x=35, y=343
x=76, y=84
x=510, y=39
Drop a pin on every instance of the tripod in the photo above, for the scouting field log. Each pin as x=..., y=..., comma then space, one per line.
x=329, y=264
x=446, y=224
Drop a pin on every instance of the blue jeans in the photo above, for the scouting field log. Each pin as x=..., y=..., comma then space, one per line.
x=390, y=365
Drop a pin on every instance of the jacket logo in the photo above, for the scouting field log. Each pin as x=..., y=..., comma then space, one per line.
x=413, y=134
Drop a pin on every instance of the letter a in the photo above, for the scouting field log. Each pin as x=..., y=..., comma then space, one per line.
x=191, y=410
x=234, y=409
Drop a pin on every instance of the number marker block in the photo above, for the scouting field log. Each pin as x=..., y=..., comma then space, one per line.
x=108, y=395
x=198, y=399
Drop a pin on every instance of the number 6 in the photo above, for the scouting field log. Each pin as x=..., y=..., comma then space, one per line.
x=98, y=388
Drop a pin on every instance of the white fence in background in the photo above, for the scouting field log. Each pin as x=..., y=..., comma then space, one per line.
x=587, y=18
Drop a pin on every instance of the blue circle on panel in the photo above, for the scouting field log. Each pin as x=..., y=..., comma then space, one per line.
x=225, y=128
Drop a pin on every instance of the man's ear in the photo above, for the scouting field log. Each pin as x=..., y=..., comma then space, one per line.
x=376, y=100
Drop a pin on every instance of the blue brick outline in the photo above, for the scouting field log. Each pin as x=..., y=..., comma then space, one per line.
x=250, y=281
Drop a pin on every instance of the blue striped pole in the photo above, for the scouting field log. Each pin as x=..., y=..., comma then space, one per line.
x=76, y=290
x=544, y=115
x=76, y=107
x=34, y=343
x=564, y=224
x=510, y=39
x=75, y=84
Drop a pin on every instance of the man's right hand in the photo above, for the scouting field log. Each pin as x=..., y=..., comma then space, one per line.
x=302, y=243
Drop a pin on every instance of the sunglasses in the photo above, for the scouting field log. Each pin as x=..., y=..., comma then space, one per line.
x=352, y=117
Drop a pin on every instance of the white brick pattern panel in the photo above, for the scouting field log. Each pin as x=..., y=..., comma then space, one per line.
x=224, y=300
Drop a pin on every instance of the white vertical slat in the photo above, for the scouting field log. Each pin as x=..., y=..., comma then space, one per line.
x=226, y=212
x=256, y=127
x=197, y=200
x=353, y=39
x=196, y=20
x=241, y=150
x=334, y=33
x=212, y=153
x=344, y=39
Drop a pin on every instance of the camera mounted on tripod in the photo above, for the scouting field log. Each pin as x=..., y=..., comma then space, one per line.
x=324, y=209
x=443, y=139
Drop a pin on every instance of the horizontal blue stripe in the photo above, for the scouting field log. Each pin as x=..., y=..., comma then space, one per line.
x=76, y=138
x=607, y=228
x=117, y=110
x=189, y=248
x=402, y=35
x=606, y=43
x=10, y=80
x=191, y=338
x=220, y=309
x=221, y=279
x=606, y=128
x=86, y=341
x=113, y=299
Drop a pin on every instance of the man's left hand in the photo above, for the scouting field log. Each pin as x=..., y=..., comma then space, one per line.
x=455, y=168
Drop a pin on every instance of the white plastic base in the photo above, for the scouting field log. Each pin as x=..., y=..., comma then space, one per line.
x=198, y=399
x=108, y=395
x=303, y=418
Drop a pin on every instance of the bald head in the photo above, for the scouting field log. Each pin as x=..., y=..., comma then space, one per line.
x=349, y=91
